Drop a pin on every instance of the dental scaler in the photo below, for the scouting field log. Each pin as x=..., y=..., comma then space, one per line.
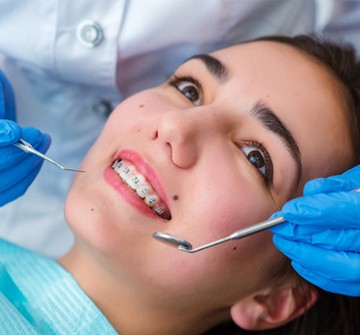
x=28, y=148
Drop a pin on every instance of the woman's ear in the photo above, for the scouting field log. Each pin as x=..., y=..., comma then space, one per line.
x=274, y=307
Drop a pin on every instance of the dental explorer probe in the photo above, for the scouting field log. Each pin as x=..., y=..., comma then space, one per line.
x=186, y=246
x=28, y=148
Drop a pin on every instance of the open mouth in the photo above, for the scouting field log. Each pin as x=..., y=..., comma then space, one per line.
x=141, y=187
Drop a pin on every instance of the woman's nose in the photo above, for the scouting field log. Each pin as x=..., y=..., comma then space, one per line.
x=184, y=134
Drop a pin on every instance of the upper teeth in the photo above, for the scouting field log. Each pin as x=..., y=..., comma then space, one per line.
x=138, y=183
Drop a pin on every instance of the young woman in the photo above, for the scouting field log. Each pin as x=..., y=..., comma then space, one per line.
x=224, y=143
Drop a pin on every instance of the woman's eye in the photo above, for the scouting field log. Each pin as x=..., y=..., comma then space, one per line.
x=259, y=158
x=189, y=87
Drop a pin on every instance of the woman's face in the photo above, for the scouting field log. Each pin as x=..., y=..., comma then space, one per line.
x=223, y=145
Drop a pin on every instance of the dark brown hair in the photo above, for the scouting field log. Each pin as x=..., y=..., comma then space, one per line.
x=332, y=314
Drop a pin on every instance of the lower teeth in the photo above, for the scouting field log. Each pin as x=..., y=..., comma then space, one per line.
x=158, y=211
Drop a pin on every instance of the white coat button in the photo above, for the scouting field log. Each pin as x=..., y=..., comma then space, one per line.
x=102, y=108
x=90, y=34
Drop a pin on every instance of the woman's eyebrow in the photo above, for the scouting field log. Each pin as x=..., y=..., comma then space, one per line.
x=214, y=66
x=271, y=122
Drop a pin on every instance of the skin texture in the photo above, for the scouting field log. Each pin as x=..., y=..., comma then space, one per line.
x=197, y=153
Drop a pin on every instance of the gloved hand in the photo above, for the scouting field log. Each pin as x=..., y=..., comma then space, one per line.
x=322, y=235
x=7, y=101
x=17, y=168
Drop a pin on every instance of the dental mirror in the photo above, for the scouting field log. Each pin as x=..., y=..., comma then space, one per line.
x=186, y=246
x=172, y=240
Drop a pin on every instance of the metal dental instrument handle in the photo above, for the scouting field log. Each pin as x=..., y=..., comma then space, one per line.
x=27, y=147
x=186, y=246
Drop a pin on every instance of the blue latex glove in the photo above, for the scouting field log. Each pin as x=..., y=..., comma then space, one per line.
x=7, y=101
x=322, y=235
x=17, y=169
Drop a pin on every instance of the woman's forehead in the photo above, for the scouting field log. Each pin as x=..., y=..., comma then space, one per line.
x=263, y=55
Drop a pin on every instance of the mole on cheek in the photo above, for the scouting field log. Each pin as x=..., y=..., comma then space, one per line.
x=141, y=106
x=175, y=197
x=92, y=209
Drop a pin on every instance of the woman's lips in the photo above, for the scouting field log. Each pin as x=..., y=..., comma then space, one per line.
x=130, y=176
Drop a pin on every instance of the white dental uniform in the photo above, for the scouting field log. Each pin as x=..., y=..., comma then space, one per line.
x=70, y=62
